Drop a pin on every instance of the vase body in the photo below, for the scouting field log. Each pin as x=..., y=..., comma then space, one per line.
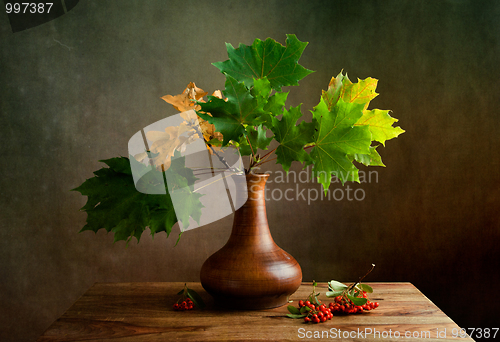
x=251, y=271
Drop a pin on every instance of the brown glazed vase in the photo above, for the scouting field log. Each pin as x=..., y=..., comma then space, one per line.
x=251, y=271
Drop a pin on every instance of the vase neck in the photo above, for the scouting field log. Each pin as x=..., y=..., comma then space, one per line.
x=256, y=189
x=251, y=218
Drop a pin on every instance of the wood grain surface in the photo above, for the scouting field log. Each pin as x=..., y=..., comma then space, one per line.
x=143, y=312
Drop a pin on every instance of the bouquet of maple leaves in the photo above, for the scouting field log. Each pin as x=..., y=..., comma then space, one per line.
x=249, y=114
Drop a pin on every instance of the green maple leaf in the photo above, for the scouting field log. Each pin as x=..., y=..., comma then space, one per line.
x=339, y=141
x=292, y=137
x=258, y=140
x=181, y=190
x=161, y=215
x=276, y=103
x=380, y=125
x=231, y=116
x=372, y=159
x=113, y=192
x=271, y=105
x=188, y=205
x=336, y=139
x=334, y=92
x=178, y=175
x=261, y=90
x=266, y=59
x=258, y=137
x=115, y=205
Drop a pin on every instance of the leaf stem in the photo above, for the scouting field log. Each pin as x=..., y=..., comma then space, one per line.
x=263, y=162
x=251, y=148
x=265, y=156
x=263, y=159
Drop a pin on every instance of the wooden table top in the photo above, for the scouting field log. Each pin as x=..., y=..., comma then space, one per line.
x=143, y=312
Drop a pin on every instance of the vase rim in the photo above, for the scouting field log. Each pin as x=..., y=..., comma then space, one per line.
x=257, y=175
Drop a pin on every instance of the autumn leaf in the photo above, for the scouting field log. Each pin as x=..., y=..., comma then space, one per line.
x=341, y=113
x=380, y=124
x=184, y=101
x=164, y=144
x=361, y=92
x=334, y=91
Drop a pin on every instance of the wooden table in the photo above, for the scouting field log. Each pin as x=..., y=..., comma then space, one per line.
x=143, y=312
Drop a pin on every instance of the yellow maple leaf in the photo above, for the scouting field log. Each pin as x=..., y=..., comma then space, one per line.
x=184, y=101
x=164, y=144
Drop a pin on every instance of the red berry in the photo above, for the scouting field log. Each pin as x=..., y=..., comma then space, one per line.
x=375, y=304
x=320, y=314
x=301, y=303
x=307, y=303
x=316, y=320
x=307, y=319
x=176, y=306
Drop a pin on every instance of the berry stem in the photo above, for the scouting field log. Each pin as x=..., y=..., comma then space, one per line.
x=361, y=278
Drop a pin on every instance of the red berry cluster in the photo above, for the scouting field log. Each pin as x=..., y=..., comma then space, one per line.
x=186, y=304
x=189, y=299
x=317, y=314
x=345, y=306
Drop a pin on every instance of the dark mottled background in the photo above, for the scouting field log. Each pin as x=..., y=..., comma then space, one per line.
x=75, y=89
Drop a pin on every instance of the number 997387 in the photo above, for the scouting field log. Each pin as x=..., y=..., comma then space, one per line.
x=475, y=332
x=28, y=7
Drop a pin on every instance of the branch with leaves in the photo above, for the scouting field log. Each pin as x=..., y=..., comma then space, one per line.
x=252, y=114
x=249, y=114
